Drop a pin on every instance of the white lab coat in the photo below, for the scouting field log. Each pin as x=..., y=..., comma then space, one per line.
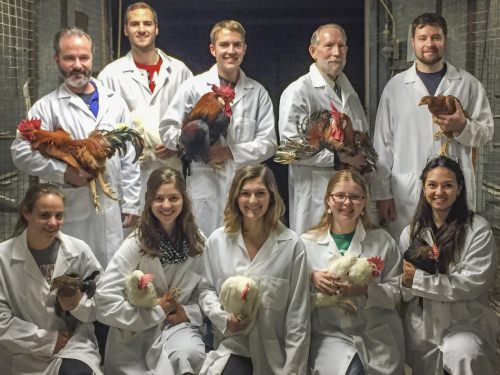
x=375, y=331
x=251, y=138
x=64, y=109
x=146, y=107
x=441, y=306
x=28, y=323
x=155, y=341
x=308, y=178
x=404, y=137
x=278, y=342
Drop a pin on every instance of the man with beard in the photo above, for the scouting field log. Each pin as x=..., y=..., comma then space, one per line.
x=79, y=106
x=404, y=130
x=147, y=78
x=324, y=84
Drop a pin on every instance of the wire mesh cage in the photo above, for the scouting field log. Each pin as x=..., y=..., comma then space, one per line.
x=17, y=69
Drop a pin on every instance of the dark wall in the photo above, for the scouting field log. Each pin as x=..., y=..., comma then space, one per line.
x=278, y=37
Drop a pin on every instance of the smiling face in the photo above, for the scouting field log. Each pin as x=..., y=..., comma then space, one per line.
x=74, y=61
x=141, y=29
x=253, y=200
x=44, y=220
x=429, y=46
x=330, y=54
x=441, y=190
x=345, y=214
x=228, y=49
x=167, y=205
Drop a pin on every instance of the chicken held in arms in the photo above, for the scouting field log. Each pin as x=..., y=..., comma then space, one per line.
x=89, y=154
x=331, y=130
x=442, y=105
x=239, y=295
x=207, y=122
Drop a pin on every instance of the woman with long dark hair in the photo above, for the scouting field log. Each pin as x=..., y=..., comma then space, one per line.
x=450, y=263
x=43, y=331
x=165, y=337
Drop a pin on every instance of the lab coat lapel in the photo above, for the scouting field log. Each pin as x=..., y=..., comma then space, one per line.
x=319, y=83
x=137, y=76
x=154, y=267
x=64, y=259
x=355, y=245
x=242, y=88
x=411, y=78
x=30, y=268
x=66, y=95
x=445, y=84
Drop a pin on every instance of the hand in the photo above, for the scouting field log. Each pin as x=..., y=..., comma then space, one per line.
x=235, y=325
x=76, y=177
x=161, y=152
x=408, y=274
x=218, y=154
x=129, y=220
x=62, y=338
x=358, y=161
x=177, y=316
x=386, y=210
x=351, y=290
x=168, y=303
x=68, y=303
x=324, y=282
x=452, y=123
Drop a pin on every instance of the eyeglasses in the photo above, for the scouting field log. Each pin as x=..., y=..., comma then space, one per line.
x=341, y=197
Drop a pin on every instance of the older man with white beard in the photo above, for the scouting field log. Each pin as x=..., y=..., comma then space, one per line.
x=79, y=106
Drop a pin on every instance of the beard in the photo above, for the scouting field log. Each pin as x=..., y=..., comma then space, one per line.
x=71, y=79
x=437, y=57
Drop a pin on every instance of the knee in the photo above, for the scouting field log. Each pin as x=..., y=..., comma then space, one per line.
x=191, y=358
x=462, y=350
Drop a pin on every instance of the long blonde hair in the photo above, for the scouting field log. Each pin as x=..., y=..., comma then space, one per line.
x=326, y=220
x=232, y=215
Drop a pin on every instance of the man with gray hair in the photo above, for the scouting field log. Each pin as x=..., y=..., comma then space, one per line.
x=324, y=84
x=79, y=106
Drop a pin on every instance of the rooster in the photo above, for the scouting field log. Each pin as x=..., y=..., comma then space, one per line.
x=350, y=269
x=239, y=295
x=332, y=130
x=67, y=286
x=442, y=105
x=206, y=123
x=89, y=154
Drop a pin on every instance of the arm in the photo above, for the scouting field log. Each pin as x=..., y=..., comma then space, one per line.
x=472, y=276
x=178, y=109
x=263, y=144
x=383, y=142
x=113, y=307
x=33, y=162
x=298, y=315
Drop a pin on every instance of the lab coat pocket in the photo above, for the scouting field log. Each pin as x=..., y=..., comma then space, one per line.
x=274, y=292
x=241, y=130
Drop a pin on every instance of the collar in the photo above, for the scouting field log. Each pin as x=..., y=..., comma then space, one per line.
x=411, y=75
x=22, y=251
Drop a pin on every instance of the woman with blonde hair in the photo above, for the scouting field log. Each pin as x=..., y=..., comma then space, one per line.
x=255, y=244
x=360, y=331
x=167, y=244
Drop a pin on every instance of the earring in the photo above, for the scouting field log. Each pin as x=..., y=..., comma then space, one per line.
x=329, y=211
x=362, y=213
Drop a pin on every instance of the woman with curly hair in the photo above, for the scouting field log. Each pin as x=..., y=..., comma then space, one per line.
x=164, y=338
x=450, y=263
x=254, y=244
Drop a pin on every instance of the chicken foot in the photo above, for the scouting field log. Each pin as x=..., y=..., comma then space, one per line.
x=105, y=189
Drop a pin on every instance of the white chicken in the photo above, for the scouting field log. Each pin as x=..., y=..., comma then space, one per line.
x=349, y=268
x=239, y=295
x=140, y=290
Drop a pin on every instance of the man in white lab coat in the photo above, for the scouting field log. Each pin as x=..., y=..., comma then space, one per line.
x=313, y=92
x=251, y=137
x=404, y=130
x=147, y=79
x=79, y=106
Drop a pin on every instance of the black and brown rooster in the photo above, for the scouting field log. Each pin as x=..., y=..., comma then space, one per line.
x=206, y=123
x=331, y=130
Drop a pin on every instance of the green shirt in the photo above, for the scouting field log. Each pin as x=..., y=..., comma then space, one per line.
x=342, y=241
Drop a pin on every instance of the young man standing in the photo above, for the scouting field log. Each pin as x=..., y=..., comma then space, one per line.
x=147, y=79
x=251, y=137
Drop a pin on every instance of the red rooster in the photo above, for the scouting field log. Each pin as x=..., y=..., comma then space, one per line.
x=207, y=122
x=442, y=105
x=332, y=130
x=89, y=154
